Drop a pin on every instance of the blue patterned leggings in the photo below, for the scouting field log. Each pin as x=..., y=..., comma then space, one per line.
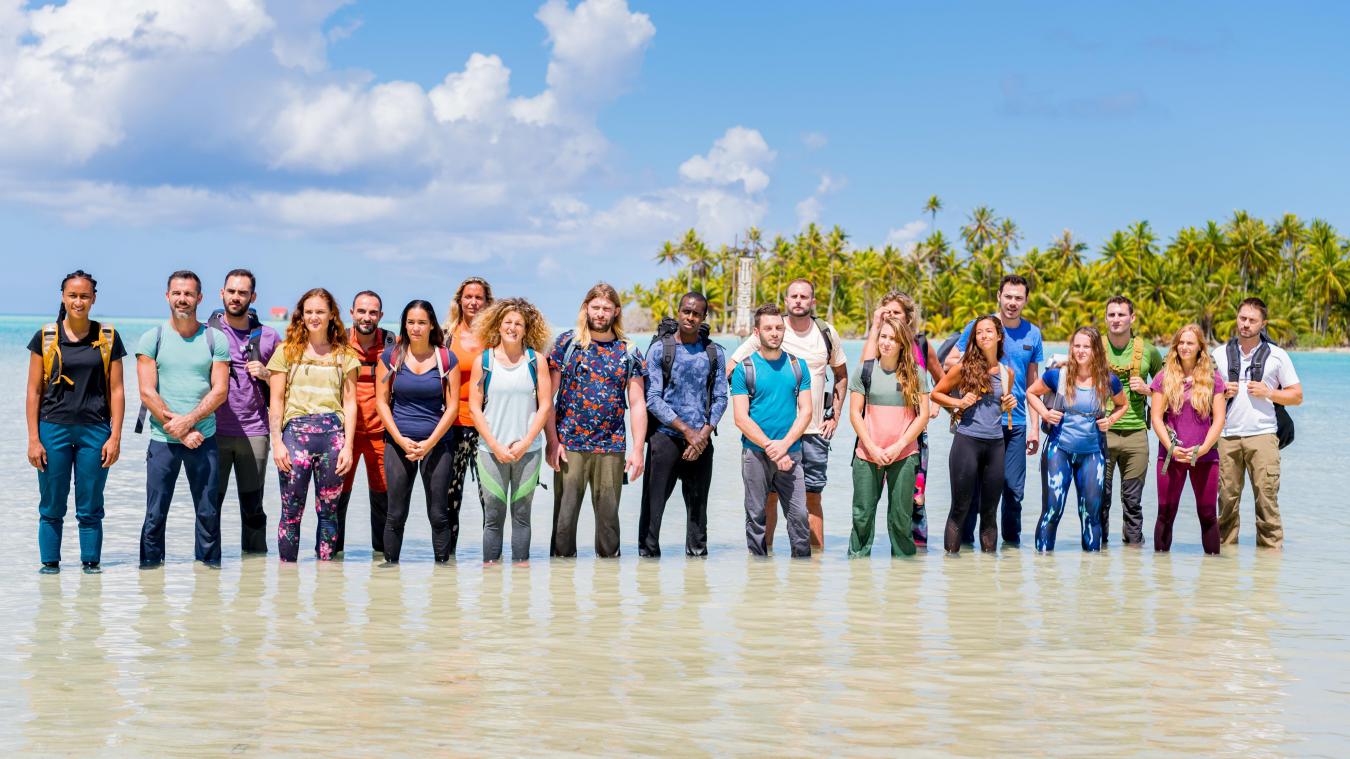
x=314, y=442
x=1087, y=472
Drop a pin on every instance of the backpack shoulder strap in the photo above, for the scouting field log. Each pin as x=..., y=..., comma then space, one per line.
x=712, y=349
x=667, y=359
x=865, y=376
x=797, y=374
x=211, y=341
x=1234, y=360
x=1137, y=360
x=1257, y=371
x=106, y=336
x=51, y=352
x=748, y=368
x=825, y=335
x=534, y=366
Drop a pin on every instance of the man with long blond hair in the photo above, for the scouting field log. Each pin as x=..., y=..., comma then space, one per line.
x=598, y=375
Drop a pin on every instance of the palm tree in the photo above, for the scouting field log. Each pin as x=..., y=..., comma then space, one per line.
x=931, y=208
x=1251, y=241
x=836, y=253
x=981, y=230
x=1068, y=251
x=1326, y=277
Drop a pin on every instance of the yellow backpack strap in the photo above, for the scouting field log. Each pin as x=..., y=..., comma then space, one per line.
x=1137, y=360
x=51, y=355
x=106, y=335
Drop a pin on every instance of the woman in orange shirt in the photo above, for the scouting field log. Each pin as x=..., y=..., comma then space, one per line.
x=472, y=298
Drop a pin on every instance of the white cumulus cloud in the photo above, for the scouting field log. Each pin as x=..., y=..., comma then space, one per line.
x=741, y=155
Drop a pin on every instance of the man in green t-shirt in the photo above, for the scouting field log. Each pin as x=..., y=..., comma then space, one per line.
x=1135, y=361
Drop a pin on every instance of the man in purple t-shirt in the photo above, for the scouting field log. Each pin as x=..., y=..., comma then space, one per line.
x=241, y=422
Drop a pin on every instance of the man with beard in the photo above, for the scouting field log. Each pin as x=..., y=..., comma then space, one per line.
x=182, y=367
x=369, y=340
x=1259, y=382
x=597, y=374
x=771, y=401
x=242, y=433
x=1023, y=352
x=817, y=343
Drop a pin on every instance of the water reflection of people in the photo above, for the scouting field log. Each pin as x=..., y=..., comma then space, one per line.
x=71, y=683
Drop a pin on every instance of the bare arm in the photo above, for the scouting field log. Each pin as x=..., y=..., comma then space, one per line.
x=950, y=382
x=803, y=419
x=450, y=414
x=856, y=401
x=276, y=411
x=637, y=421
x=37, y=455
x=147, y=378
x=480, y=421
x=1218, y=410
x=384, y=391
x=112, y=449
x=544, y=394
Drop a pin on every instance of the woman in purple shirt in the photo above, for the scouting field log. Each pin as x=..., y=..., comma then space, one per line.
x=1187, y=417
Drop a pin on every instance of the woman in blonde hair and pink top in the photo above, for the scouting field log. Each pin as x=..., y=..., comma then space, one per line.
x=1187, y=417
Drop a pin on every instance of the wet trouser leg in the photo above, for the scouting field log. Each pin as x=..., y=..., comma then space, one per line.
x=1128, y=451
x=920, y=516
x=898, y=479
x=1256, y=457
x=666, y=466
x=507, y=487
x=73, y=450
x=162, y=464
x=320, y=439
x=463, y=443
x=247, y=457
x=1204, y=477
x=1087, y=482
x=658, y=483
x=760, y=475
x=370, y=450
x=602, y=473
x=974, y=462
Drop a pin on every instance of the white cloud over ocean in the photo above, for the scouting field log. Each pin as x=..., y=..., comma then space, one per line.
x=467, y=169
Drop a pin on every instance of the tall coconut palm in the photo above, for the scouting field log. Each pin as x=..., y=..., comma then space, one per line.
x=931, y=208
x=1067, y=250
x=836, y=253
x=981, y=230
x=1326, y=278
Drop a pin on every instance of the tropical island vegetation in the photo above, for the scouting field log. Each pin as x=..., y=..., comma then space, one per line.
x=1200, y=274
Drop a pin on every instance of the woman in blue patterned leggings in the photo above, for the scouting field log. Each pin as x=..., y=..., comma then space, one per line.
x=1075, y=424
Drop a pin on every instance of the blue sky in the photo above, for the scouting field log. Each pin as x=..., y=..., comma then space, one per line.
x=359, y=144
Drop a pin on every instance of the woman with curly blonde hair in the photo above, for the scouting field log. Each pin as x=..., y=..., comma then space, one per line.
x=1075, y=423
x=510, y=450
x=1187, y=416
x=313, y=419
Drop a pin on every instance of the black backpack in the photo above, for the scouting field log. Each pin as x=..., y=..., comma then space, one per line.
x=666, y=335
x=1256, y=372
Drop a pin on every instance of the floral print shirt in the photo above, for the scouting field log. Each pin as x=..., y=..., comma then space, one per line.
x=593, y=393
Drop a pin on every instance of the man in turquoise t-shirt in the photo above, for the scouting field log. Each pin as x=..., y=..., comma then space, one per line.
x=771, y=399
x=183, y=370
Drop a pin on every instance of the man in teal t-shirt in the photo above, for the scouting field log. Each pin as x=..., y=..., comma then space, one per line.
x=1134, y=360
x=771, y=399
x=182, y=367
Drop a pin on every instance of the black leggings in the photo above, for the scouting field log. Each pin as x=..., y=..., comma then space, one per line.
x=399, y=473
x=974, y=460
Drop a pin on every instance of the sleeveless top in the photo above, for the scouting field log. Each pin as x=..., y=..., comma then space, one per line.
x=511, y=404
x=984, y=420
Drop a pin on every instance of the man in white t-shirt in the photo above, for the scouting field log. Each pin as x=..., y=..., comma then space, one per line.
x=817, y=343
x=1249, y=446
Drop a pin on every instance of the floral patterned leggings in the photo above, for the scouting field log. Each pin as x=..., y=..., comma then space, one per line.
x=314, y=442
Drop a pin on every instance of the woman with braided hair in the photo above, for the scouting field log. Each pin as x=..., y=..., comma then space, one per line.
x=74, y=410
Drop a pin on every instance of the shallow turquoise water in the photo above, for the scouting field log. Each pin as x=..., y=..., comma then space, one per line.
x=1126, y=651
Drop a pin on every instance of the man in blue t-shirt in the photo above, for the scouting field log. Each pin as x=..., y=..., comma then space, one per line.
x=1023, y=352
x=771, y=400
x=183, y=368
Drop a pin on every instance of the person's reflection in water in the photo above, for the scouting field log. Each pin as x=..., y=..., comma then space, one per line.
x=71, y=689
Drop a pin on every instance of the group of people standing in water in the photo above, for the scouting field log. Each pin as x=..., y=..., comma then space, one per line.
x=487, y=395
